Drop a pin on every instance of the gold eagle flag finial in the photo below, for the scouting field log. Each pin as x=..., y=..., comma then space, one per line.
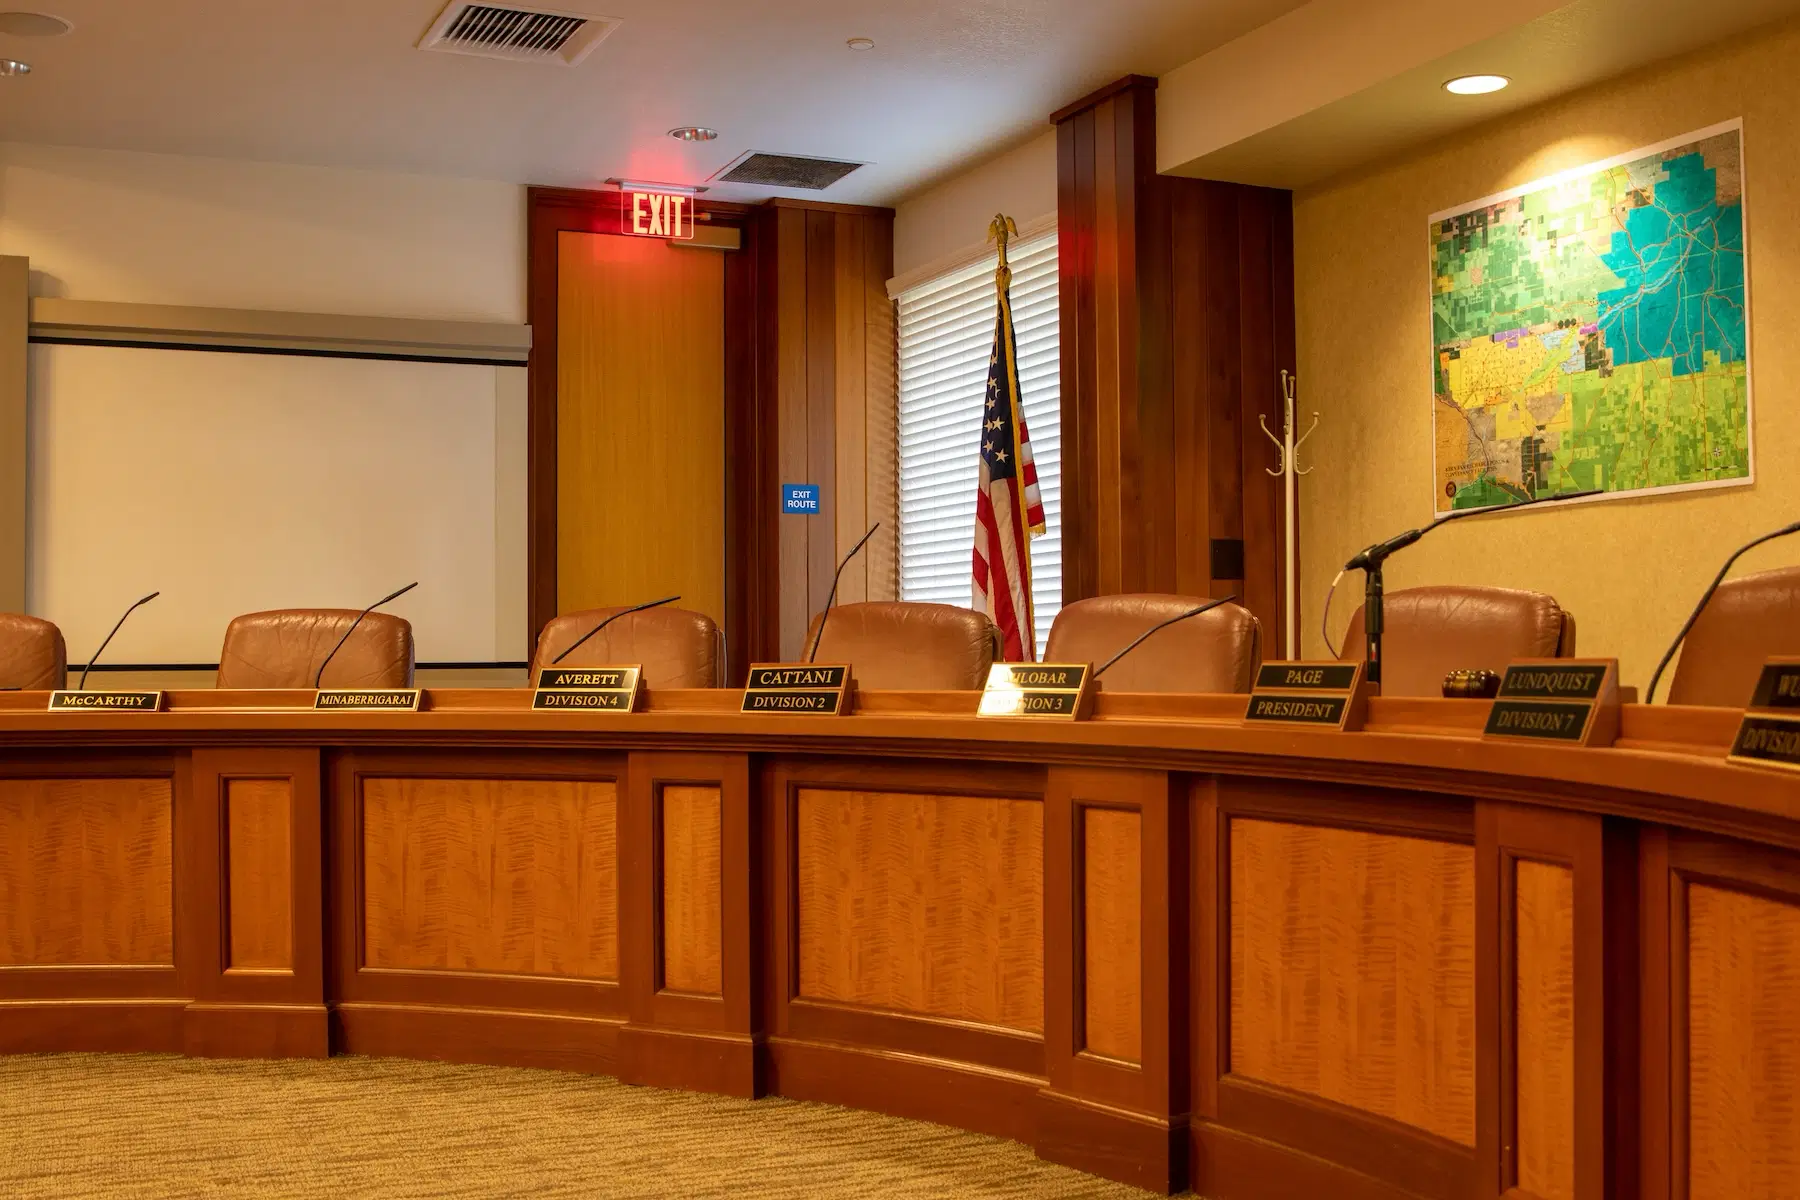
x=1001, y=230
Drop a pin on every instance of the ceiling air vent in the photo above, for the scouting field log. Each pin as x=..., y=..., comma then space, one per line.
x=515, y=32
x=786, y=171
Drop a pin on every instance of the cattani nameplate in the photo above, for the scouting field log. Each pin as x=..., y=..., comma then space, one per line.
x=1572, y=701
x=368, y=699
x=1319, y=695
x=592, y=689
x=106, y=701
x=1062, y=691
x=797, y=688
x=1769, y=735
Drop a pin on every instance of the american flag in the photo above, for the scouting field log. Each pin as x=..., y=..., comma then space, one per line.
x=1009, y=510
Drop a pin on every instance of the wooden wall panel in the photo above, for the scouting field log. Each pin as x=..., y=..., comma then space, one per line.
x=1352, y=970
x=1112, y=937
x=259, y=860
x=692, y=895
x=1544, y=1004
x=86, y=871
x=922, y=903
x=881, y=424
x=515, y=876
x=1743, y=1034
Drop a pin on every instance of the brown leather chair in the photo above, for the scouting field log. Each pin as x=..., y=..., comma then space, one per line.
x=1216, y=651
x=1432, y=631
x=678, y=648
x=32, y=654
x=1747, y=621
x=283, y=649
x=897, y=646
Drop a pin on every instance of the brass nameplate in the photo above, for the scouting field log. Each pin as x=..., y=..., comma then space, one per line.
x=1779, y=685
x=1570, y=700
x=373, y=699
x=106, y=701
x=1319, y=695
x=591, y=689
x=1769, y=734
x=797, y=688
x=1060, y=690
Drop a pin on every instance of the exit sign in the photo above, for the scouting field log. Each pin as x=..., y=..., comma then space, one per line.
x=657, y=215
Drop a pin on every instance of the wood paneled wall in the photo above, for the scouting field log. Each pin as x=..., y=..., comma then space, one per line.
x=1177, y=319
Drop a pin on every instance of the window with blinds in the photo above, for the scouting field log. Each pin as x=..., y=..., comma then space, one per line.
x=946, y=333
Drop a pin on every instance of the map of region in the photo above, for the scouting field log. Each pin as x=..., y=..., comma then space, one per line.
x=1590, y=332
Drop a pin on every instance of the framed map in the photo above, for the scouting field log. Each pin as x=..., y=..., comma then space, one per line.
x=1591, y=330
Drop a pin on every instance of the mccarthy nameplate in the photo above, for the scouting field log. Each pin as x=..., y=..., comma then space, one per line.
x=61, y=701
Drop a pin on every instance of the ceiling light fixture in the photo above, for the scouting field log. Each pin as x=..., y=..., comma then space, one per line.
x=33, y=24
x=861, y=43
x=1476, y=85
x=693, y=133
x=12, y=66
x=638, y=185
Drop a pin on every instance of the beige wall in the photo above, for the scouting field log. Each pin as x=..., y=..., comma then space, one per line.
x=952, y=217
x=1629, y=569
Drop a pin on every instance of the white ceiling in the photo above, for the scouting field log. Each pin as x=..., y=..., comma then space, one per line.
x=340, y=83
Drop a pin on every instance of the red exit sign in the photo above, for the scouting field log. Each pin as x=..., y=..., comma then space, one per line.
x=654, y=214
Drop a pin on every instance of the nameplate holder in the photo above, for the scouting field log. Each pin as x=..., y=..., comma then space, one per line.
x=807, y=688
x=1564, y=701
x=368, y=699
x=1769, y=734
x=589, y=689
x=62, y=701
x=1311, y=695
x=1050, y=691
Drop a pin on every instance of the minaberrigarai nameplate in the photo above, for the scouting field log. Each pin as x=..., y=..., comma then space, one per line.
x=368, y=699
x=1317, y=695
x=1574, y=701
x=797, y=688
x=1063, y=691
x=589, y=689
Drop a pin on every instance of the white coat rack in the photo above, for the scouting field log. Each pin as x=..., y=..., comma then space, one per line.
x=1290, y=473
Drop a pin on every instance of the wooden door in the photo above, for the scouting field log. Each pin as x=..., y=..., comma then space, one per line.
x=640, y=423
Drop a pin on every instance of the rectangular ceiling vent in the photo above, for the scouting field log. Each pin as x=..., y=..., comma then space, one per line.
x=515, y=32
x=786, y=171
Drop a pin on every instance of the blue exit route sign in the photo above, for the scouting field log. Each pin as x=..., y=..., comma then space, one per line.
x=800, y=498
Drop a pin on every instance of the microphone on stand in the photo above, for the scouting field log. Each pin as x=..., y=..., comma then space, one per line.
x=624, y=612
x=1706, y=597
x=1144, y=636
x=317, y=679
x=1370, y=560
x=94, y=657
x=832, y=596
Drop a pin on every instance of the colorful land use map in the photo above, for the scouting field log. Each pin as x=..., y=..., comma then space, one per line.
x=1589, y=331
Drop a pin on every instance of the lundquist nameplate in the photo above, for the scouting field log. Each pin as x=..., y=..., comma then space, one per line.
x=368, y=699
x=1060, y=690
x=1320, y=695
x=589, y=689
x=797, y=688
x=1570, y=700
x=106, y=701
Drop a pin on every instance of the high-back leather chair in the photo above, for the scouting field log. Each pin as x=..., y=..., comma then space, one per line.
x=1216, y=651
x=1431, y=631
x=899, y=646
x=1747, y=621
x=678, y=648
x=283, y=649
x=32, y=654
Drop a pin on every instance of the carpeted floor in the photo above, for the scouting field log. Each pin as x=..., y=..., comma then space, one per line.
x=152, y=1126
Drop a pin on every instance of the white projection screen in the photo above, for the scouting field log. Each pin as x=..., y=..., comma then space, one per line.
x=237, y=482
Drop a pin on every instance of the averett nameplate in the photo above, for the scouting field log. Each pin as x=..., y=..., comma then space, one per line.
x=588, y=689
x=1060, y=690
x=372, y=699
x=797, y=688
x=61, y=701
x=1319, y=695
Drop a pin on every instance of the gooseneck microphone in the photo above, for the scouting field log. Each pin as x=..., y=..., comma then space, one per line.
x=317, y=679
x=1706, y=597
x=94, y=657
x=1370, y=560
x=623, y=612
x=1145, y=636
x=831, y=597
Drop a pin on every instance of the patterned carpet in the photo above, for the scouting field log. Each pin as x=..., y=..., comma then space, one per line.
x=153, y=1126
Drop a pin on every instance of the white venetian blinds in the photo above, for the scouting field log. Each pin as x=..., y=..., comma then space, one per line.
x=946, y=332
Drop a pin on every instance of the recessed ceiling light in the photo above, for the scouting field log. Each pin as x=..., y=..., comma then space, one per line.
x=641, y=185
x=1476, y=85
x=12, y=66
x=33, y=24
x=693, y=133
x=861, y=43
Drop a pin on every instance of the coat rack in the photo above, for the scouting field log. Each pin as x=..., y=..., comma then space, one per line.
x=1290, y=473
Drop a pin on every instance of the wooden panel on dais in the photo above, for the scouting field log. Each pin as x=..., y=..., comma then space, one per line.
x=640, y=423
x=1743, y=1002
x=692, y=893
x=1353, y=970
x=923, y=904
x=86, y=872
x=1112, y=932
x=259, y=874
x=1544, y=1037
x=515, y=876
